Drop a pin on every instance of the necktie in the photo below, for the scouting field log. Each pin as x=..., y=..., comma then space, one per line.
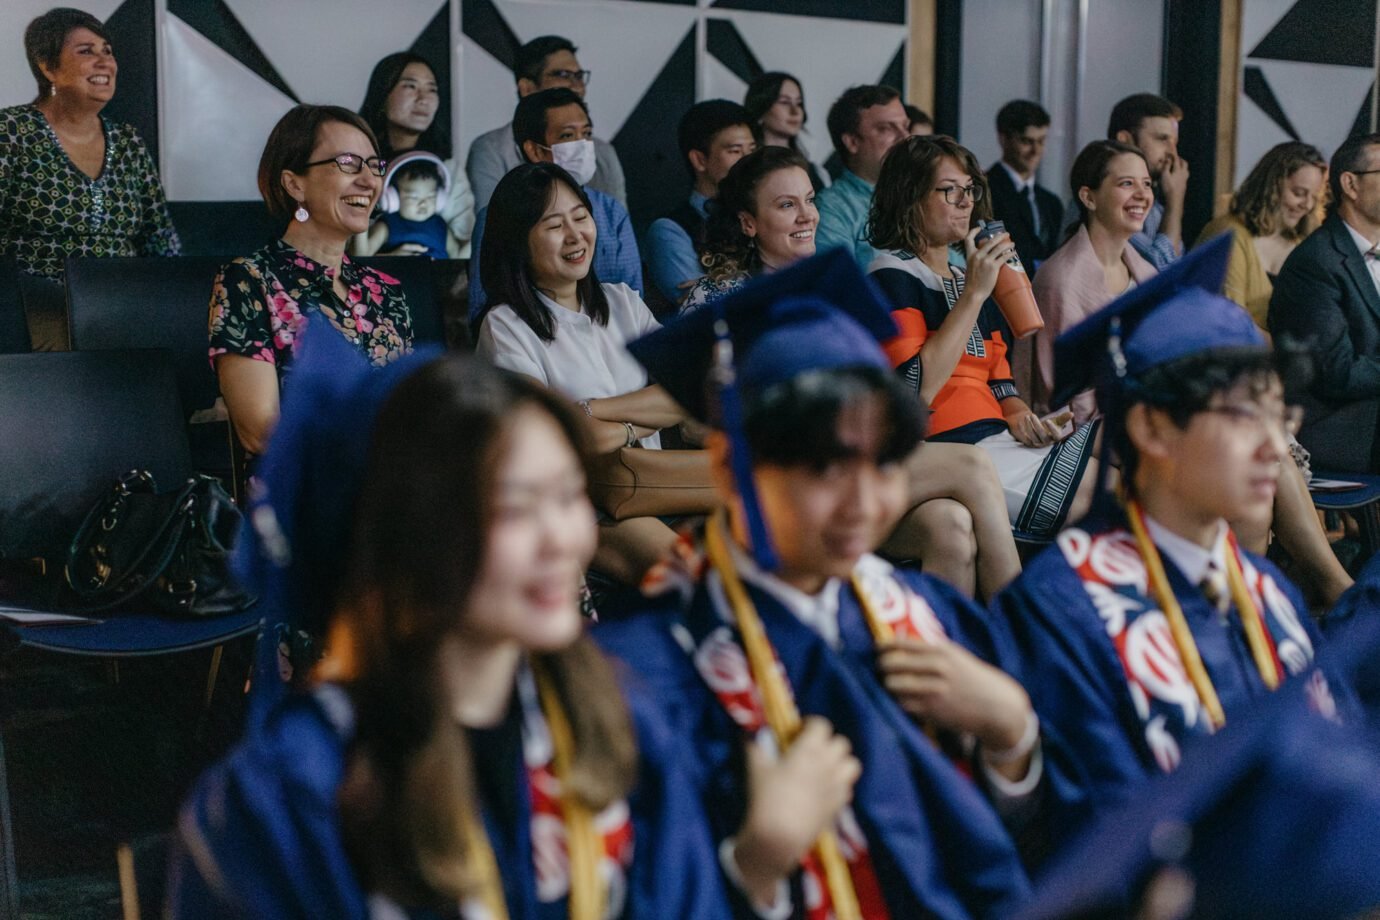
x=1215, y=588
x=1034, y=208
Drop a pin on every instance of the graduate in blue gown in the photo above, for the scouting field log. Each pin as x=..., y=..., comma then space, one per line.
x=463, y=750
x=761, y=639
x=1147, y=626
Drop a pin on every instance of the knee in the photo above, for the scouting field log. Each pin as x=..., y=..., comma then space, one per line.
x=949, y=526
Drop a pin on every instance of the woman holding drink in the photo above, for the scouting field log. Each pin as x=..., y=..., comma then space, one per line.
x=952, y=350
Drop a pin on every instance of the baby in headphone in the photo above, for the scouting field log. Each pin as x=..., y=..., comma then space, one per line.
x=413, y=191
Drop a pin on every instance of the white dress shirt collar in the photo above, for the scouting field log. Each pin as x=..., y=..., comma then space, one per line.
x=1190, y=558
x=819, y=611
x=1022, y=185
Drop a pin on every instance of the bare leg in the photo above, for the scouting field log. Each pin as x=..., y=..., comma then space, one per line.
x=1301, y=534
x=939, y=532
x=965, y=474
x=1087, y=489
x=627, y=549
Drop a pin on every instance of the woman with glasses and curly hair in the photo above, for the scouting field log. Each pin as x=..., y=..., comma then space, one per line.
x=926, y=214
x=320, y=172
x=1273, y=210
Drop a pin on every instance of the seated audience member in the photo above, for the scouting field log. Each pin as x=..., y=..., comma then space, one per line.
x=72, y=182
x=775, y=104
x=555, y=322
x=547, y=62
x=767, y=632
x=1151, y=123
x=553, y=126
x=414, y=187
x=1112, y=186
x=954, y=340
x=1270, y=214
x=1328, y=295
x=1031, y=212
x=958, y=524
x=921, y=124
x=463, y=750
x=864, y=123
x=713, y=136
x=319, y=172
x=1113, y=192
x=401, y=105
x=1147, y=626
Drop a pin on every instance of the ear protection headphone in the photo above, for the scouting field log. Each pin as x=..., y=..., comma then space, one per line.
x=389, y=202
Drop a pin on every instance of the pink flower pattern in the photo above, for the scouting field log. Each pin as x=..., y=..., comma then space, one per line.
x=260, y=304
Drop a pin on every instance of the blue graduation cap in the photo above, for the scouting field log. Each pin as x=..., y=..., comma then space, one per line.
x=1179, y=312
x=306, y=484
x=821, y=313
x=1276, y=816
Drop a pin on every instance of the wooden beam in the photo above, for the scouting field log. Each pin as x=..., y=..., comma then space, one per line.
x=921, y=18
x=1228, y=97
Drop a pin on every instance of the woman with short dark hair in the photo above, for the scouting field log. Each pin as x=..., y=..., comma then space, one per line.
x=554, y=322
x=931, y=197
x=74, y=183
x=320, y=172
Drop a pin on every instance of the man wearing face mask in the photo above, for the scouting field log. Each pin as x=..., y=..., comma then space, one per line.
x=553, y=126
x=547, y=62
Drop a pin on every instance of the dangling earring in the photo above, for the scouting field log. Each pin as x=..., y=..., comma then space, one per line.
x=52, y=89
x=301, y=215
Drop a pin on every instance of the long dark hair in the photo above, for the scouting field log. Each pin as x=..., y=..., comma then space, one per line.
x=417, y=549
x=762, y=94
x=1090, y=170
x=517, y=204
x=374, y=108
x=728, y=251
x=907, y=176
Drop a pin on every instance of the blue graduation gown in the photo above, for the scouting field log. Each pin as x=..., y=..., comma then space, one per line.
x=1095, y=746
x=259, y=837
x=935, y=844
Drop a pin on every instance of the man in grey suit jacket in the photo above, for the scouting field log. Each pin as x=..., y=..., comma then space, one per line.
x=1328, y=294
x=542, y=63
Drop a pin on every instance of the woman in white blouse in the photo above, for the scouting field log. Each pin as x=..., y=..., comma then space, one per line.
x=552, y=320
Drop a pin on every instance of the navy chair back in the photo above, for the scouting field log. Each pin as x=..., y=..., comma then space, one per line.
x=134, y=302
x=70, y=424
x=224, y=229
x=14, y=327
x=418, y=280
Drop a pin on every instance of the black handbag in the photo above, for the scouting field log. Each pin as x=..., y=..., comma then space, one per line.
x=163, y=553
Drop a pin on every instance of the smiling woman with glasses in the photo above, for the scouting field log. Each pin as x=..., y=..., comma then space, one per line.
x=953, y=349
x=320, y=172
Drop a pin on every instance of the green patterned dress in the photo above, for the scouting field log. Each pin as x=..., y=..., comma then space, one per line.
x=50, y=209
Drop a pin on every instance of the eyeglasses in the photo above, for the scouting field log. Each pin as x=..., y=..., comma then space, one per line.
x=963, y=191
x=1286, y=420
x=570, y=76
x=351, y=163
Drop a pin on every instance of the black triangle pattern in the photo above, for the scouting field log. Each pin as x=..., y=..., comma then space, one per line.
x=1257, y=89
x=131, y=29
x=434, y=44
x=725, y=43
x=865, y=10
x=648, y=137
x=1323, y=32
x=486, y=27
x=214, y=20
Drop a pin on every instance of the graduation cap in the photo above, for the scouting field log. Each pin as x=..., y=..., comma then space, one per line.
x=1273, y=817
x=1179, y=312
x=304, y=489
x=819, y=314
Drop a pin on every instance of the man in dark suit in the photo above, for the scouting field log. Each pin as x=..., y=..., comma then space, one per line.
x=1033, y=214
x=1328, y=293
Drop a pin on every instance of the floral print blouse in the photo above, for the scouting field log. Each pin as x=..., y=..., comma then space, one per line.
x=50, y=209
x=260, y=303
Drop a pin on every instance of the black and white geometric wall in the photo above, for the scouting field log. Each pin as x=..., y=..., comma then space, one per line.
x=1308, y=71
x=225, y=70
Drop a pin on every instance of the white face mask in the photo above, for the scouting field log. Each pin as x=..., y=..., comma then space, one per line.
x=576, y=158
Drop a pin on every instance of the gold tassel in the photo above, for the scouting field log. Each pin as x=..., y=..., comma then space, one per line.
x=782, y=715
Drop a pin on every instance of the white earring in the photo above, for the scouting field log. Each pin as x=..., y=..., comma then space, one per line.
x=301, y=215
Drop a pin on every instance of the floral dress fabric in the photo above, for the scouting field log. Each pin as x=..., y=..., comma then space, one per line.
x=260, y=303
x=50, y=209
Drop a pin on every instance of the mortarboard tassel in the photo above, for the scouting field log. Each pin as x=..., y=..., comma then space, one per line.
x=731, y=417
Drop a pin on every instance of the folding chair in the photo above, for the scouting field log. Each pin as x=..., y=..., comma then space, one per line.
x=70, y=423
x=14, y=326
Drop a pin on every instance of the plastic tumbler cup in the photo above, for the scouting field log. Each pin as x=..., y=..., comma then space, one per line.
x=1012, y=293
